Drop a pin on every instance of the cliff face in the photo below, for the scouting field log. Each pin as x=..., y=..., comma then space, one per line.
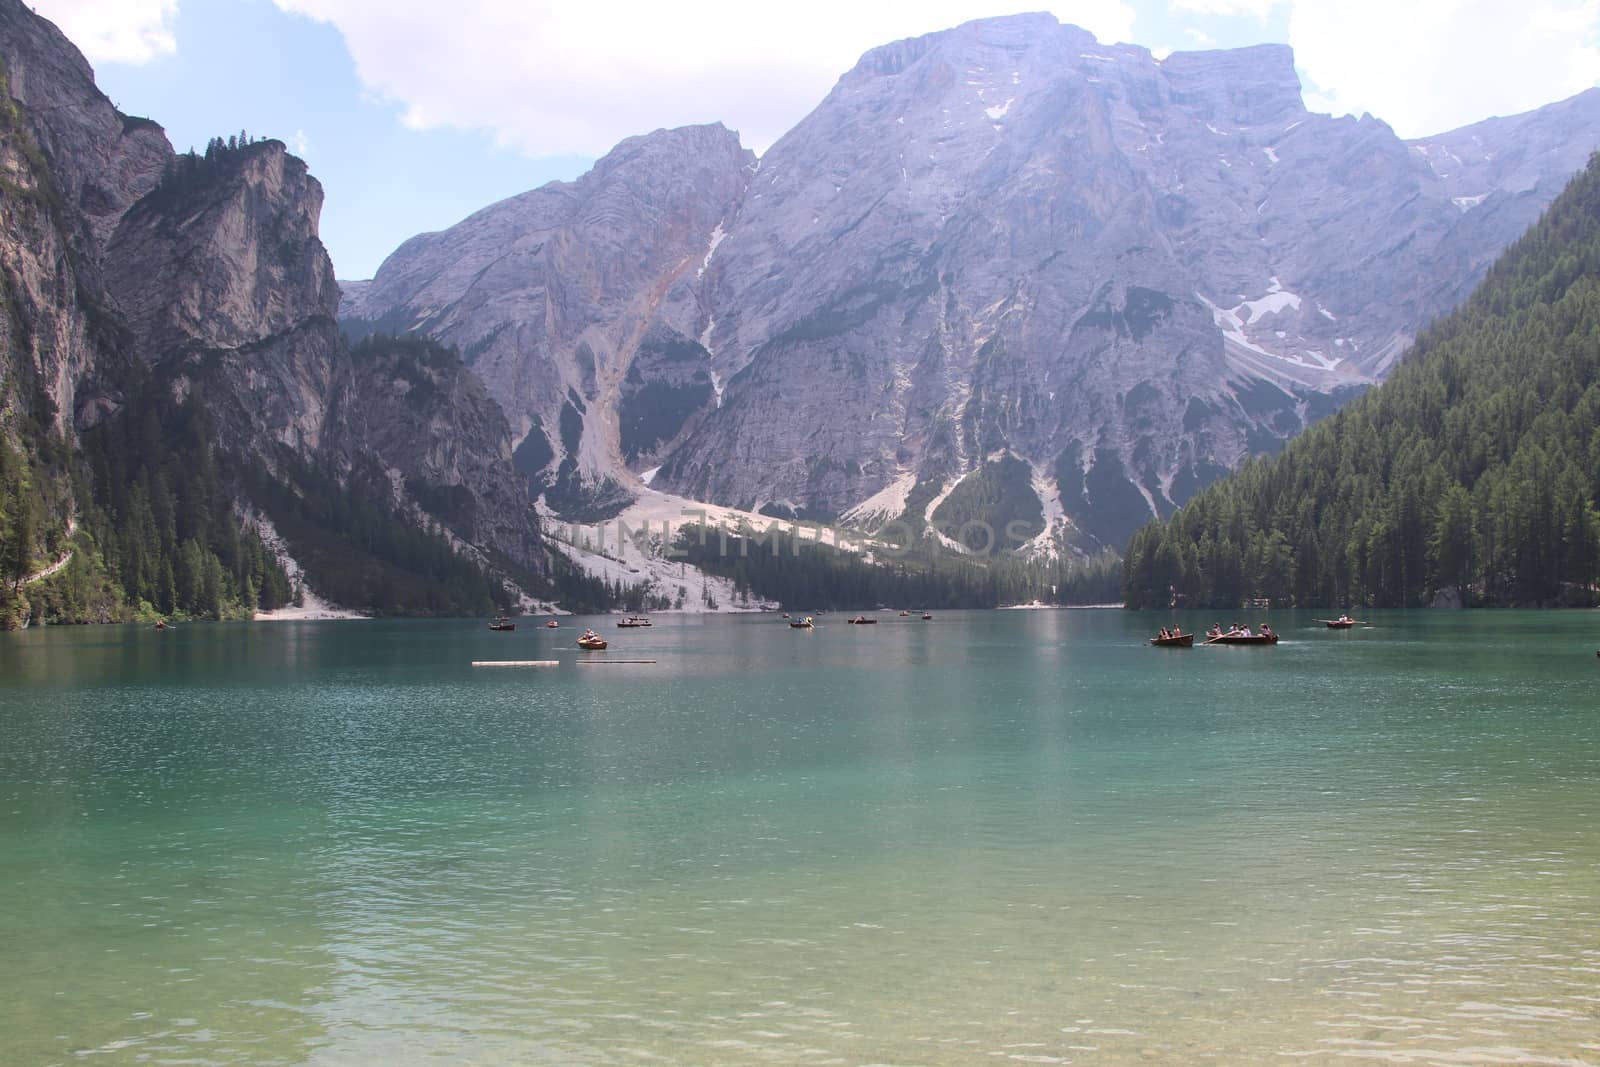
x=204, y=277
x=70, y=165
x=570, y=299
x=1131, y=274
x=1004, y=238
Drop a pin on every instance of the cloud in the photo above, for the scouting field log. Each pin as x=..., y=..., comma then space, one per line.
x=115, y=31
x=1258, y=9
x=574, y=78
x=1426, y=66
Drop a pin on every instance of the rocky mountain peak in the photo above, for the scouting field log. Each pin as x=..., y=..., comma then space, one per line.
x=101, y=160
x=1004, y=239
x=1253, y=86
x=224, y=252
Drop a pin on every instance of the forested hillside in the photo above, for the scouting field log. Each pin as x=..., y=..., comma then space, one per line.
x=1472, y=472
x=806, y=575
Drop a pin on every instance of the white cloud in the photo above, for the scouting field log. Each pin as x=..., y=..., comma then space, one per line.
x=1426, y=66
x=299, y=144
x=115, y=31
x=575, y=78
x=1259, y=9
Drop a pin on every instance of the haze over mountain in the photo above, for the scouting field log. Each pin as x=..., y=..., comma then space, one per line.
x=1005, y=241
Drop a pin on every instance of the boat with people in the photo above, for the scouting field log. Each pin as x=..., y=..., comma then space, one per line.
x=551, y=625
x=633, y=621
x=802, y=624
x=1241, y=635
x=1343, y=622
x=1173, y=638
x=862, y=620
x=592, y=641
x=927, y=615
x=501, y=622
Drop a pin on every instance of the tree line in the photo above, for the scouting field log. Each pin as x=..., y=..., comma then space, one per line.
x=811, y=576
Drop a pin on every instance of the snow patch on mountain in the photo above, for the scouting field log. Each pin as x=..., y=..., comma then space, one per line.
x=886, y=504
x=717, y=235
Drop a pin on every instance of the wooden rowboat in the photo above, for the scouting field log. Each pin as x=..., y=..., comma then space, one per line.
x=1338, y=624
x=1240, y=639
x=592, y=641
x=1181, y=641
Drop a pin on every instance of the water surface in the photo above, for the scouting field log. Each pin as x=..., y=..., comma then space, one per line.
x=997, y=835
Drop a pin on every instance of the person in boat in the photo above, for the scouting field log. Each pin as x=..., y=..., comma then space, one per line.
x=1164, y=634
x=1266, y=631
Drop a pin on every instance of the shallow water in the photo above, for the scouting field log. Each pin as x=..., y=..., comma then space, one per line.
x=996, y=835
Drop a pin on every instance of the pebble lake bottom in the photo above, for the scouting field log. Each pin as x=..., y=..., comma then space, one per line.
x=1013, y=836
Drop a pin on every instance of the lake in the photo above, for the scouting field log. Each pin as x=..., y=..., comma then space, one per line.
x=996, y=836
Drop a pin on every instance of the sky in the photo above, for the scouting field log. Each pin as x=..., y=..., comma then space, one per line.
x=414, y=113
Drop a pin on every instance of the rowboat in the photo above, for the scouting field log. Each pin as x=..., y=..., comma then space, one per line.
x=862, y=620
x=592, y=641
x=801, y=624
x=633, y=621
x=1181, y=641
x=502, y=623
x=1343, y=622
x=1241, y=639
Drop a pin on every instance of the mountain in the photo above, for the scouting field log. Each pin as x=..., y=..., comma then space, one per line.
x=1470, y=476
x=578, y=304
x=177, y=386
x=1002, y=251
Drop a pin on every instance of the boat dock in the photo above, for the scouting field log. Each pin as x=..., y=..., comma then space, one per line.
x=516, y=663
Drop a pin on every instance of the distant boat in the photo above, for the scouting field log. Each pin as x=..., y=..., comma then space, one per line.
x=502, y=623
x=633, y=621
x=862, y=620
x=903, y=614
x=551, y=625
x=1178, y=641
x=926, y=615
x=801, y=624
x=591, y=640
x=1243, y=639
x=1343, y=622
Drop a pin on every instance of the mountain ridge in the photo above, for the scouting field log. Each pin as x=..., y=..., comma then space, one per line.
x=171, y=319
x=1004, y=237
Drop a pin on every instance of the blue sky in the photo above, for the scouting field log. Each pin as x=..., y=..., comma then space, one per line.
x=413, y=114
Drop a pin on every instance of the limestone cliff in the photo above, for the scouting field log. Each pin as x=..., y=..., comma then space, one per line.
x=1002, y=239
x=201, y=278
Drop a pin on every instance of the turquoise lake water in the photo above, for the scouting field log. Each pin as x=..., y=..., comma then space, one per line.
x=994, y=837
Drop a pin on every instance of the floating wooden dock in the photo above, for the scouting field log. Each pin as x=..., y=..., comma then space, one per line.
x=516, y=663
x=608, y=659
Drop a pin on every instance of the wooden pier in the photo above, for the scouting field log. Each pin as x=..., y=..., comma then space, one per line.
x=516, y=663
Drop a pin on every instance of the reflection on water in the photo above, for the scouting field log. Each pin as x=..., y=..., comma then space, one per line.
x=1015, y=835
